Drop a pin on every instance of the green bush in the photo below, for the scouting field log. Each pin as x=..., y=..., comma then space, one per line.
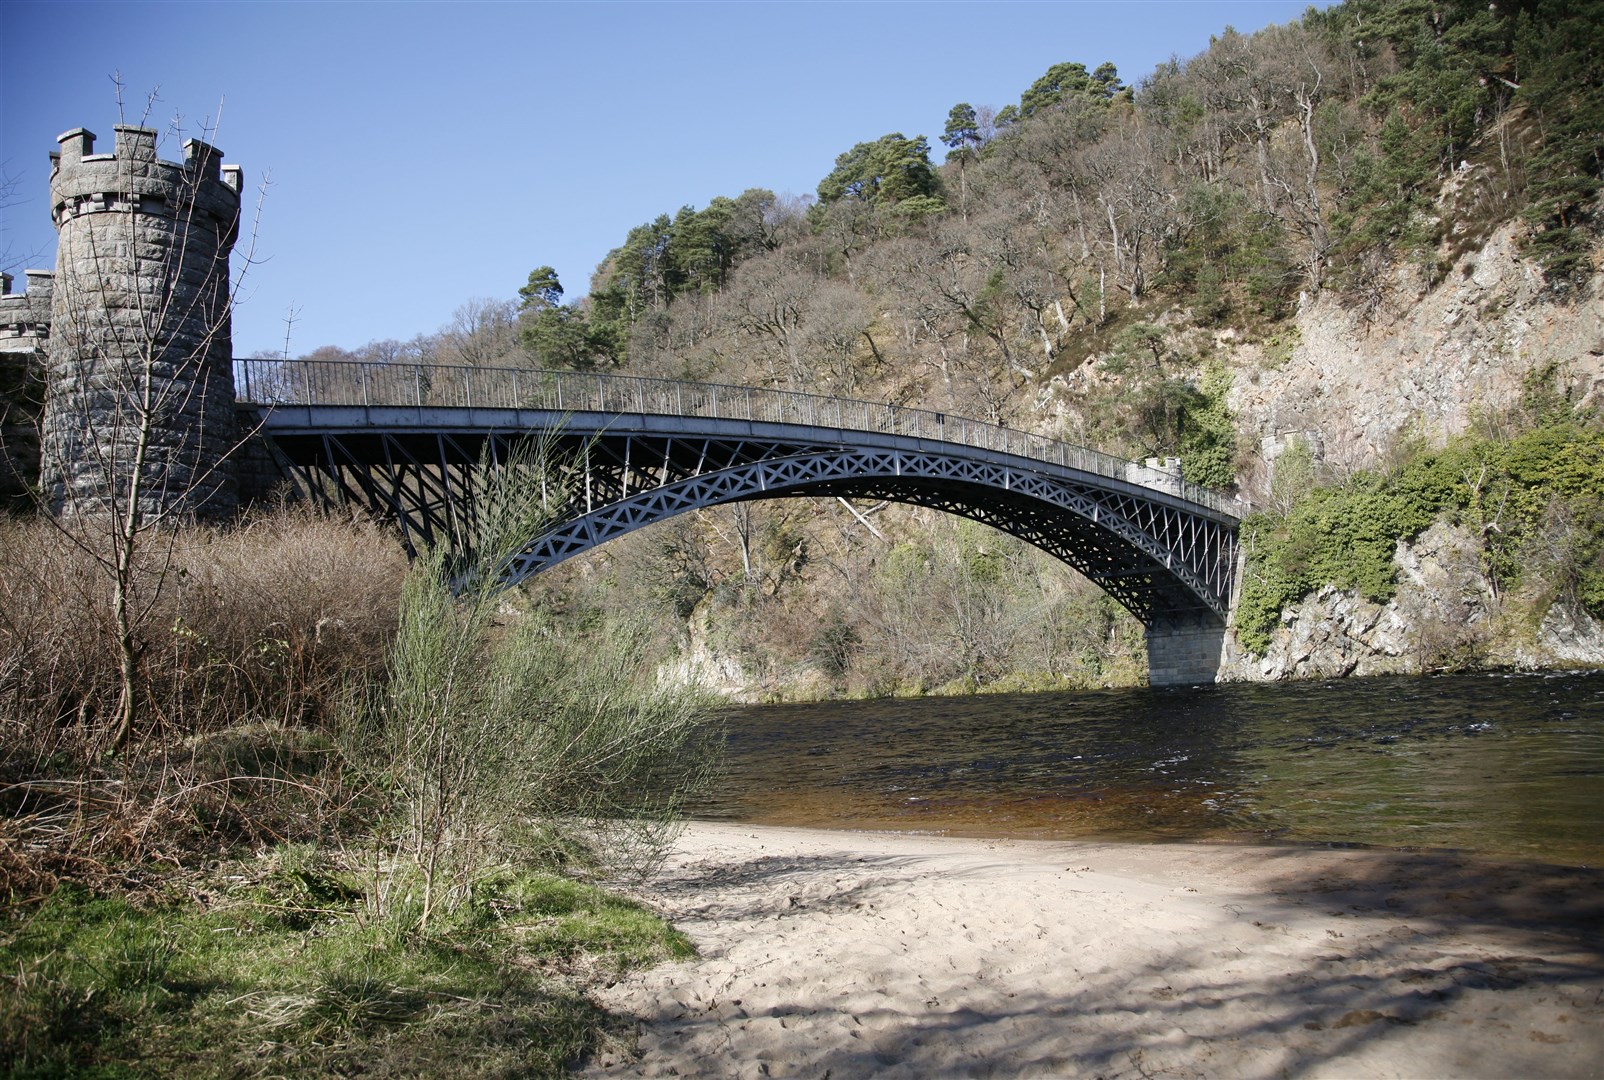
x=494, y=735
x=1208, y=439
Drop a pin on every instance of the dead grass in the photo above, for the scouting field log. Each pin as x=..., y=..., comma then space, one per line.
x=253, y=639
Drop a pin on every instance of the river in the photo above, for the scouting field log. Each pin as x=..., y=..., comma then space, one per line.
x=1496, y=764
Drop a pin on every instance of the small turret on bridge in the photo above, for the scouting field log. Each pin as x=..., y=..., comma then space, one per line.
x=407, y=441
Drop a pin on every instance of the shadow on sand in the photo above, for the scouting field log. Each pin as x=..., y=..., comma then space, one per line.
x=1439, y=944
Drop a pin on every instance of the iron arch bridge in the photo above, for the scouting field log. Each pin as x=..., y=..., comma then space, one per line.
x=408, y=441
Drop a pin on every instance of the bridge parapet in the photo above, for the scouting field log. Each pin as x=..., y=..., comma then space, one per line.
x=369, y=385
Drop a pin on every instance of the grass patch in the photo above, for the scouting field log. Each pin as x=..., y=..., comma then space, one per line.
x=280, y=967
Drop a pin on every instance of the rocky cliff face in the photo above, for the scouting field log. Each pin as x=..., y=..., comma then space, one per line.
x=1352, y=386
x=1423, y=362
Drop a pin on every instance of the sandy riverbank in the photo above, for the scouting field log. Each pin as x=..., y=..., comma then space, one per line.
x=838, y=954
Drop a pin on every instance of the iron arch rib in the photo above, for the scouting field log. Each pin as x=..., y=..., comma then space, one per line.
x=1163, y=564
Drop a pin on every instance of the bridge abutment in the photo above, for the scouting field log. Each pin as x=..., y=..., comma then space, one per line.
x=1184, y=655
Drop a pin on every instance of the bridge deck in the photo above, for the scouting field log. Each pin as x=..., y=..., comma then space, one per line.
x=424, y=423
x=501, y=395
x=412, y=443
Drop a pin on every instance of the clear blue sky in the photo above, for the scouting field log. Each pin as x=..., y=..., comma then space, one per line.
x=421, y=154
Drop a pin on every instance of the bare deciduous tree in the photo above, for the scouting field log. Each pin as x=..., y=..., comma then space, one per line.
x=139, y=421
x=483, y=333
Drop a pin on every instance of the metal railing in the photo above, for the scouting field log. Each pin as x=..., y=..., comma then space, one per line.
x=351, y=382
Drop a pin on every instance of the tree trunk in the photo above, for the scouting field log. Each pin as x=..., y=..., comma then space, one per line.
x=125, y=542
x=1261, y=144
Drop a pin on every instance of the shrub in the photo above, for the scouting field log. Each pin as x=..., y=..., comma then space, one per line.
x=269, y=620
x=495, y=736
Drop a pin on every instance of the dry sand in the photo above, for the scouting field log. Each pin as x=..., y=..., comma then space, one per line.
x=842, y=954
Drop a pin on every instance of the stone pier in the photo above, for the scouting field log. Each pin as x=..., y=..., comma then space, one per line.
x=1184, y=655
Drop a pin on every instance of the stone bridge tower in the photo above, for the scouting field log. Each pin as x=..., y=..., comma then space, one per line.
x=139, y=402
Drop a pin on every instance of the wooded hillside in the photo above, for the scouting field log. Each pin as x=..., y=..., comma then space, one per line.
x=1094, y=262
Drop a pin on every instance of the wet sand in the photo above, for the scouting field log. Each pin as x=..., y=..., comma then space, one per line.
x=850, y=954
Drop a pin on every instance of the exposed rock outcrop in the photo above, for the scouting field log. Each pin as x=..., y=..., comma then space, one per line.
x=1425, y=363
x=1445, y=616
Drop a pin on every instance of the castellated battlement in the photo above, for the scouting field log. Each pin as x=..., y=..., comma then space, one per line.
x=134, y=179
x=25, y=316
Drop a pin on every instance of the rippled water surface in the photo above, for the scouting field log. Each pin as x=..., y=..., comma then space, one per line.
x=1507, y=765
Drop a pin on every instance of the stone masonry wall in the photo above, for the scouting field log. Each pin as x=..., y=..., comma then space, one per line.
x=265, y=474
x=24, y=333
x=1183, y=655
x=140, y=352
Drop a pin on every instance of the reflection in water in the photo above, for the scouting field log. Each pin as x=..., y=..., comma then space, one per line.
x=1509, y=765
